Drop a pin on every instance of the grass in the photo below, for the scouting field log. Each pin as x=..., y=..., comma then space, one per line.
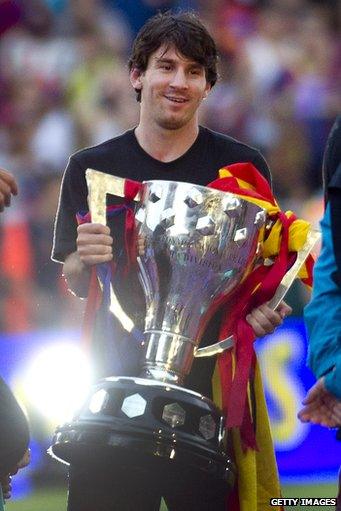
x=312, y=490
x=55, y=499
x=41, y=500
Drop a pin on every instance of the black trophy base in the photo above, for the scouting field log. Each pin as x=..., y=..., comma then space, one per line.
x=144, y=425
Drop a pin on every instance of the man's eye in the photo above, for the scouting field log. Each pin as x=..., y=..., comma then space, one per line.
x=166, y=67
x=196, y=71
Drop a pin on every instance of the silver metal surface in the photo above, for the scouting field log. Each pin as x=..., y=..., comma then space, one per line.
x=313, y=237
x=134, y=405
x=215, y=349
x=174, y=415
x=99, y=185
x=198, y=244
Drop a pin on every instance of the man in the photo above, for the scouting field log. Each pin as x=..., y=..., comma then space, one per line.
x=322, y=404
x=173, y=67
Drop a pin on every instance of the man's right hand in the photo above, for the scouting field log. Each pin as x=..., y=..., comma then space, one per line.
x=8, y=187
x=94, y=244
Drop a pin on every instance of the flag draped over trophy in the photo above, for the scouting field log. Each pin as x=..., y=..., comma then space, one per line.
x=239, y=391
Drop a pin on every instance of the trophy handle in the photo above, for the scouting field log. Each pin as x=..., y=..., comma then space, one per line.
x=313, y=237
x=216, y=348
x=99, y=185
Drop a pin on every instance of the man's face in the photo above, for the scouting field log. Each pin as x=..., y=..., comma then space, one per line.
x=172, y=89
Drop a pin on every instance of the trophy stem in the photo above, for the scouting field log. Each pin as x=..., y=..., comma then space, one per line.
x=168, y=356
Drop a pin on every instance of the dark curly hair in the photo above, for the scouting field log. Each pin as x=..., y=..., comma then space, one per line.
x=185, y=32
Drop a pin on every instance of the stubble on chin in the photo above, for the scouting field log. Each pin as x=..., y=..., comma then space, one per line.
x=172, y=124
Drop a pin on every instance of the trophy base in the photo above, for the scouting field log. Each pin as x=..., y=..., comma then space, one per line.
x=138, y=424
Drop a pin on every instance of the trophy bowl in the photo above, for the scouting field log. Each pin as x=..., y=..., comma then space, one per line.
x=196, y=245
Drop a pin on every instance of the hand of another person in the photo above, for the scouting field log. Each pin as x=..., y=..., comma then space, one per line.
x=25, y=460
x=6, y=480
x=94, y=244
x=6, y=486
x=8, y=187
x=265, y=320
x=321, y=407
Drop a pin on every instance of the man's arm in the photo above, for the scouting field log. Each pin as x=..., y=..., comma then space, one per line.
x=77, y=275
x=94, y=246
x=322, y=404
x=78, y=247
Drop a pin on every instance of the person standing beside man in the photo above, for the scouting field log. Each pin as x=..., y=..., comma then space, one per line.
x=14, y=430
x=173, y=67
x=322, y=315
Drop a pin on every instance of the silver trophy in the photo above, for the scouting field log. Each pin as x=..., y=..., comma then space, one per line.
x=196, y=245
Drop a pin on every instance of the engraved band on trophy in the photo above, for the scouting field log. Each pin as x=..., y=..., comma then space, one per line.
x=199, y=244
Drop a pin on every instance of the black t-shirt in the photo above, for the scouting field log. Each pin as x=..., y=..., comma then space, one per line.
x=123, y=156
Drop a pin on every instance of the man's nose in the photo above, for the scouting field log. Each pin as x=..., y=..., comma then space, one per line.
x=179, y=79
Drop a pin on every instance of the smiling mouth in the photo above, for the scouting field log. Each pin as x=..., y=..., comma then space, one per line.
x=176, y=100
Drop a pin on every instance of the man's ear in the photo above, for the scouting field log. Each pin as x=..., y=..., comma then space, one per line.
x=207, y=90
x=135, y=78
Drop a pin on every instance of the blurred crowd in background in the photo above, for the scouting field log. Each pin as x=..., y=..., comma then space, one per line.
x=64, y=85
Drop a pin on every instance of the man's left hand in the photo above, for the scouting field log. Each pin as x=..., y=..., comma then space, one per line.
x=265, y=320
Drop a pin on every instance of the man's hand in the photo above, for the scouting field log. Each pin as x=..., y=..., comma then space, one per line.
x=6, y=480
x=264, y=320
x=94, y=244
x=8, y=187
x=141, y=245
x=321, y=407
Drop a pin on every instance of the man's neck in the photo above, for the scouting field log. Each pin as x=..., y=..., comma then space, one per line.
x=166, y=145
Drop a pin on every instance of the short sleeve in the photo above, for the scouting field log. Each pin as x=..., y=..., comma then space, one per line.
x=72, y=200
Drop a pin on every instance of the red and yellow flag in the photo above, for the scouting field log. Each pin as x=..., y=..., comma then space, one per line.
x=237, y=384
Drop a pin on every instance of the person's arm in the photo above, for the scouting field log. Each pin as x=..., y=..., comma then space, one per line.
x=322, y=315
x=78, y=247
x=322, y=404
x=5, y=481
x=94, y=246
x=14, y=431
